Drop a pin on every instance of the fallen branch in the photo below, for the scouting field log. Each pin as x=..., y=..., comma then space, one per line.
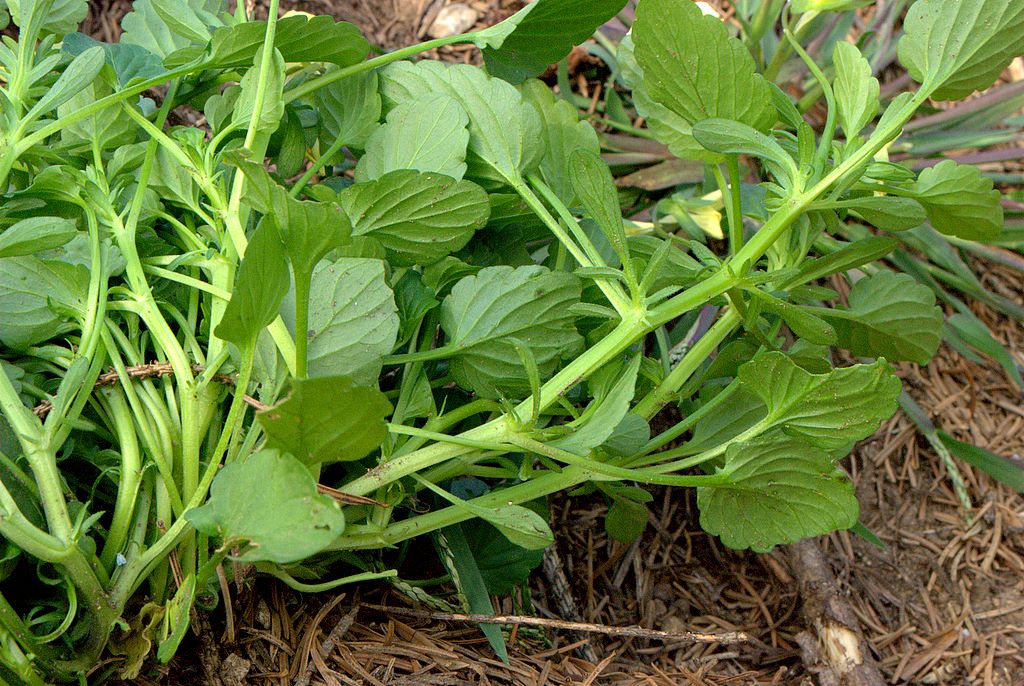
x=630, y=631
x=836, y=651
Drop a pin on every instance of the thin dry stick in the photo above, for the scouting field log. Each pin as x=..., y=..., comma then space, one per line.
x=632, y=631
x=151, y=370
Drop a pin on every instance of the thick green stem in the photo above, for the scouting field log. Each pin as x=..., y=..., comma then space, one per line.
x=652, y=403
x=40, y=444
x=19, y=530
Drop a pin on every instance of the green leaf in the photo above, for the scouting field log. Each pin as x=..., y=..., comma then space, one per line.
x=848, y=257
x=179, y=610
x=888, y=212
x=34, y=234
x=84, y=68
x=856, y=90
x=270, y=500
x=308, y=230
x=955, y=47
x=960, y=201
x=868, y=535
x=183, y=21
x=288, y=145
x=273, y=105
x=34, y=296
x=502, y=564
x=540, y=34
x=327, y=419
x=128, y=61
x=626, y=520
x=457, y=557
x=735, y=138
x=259, y=289
x=349, y=110
x=427, y=134
x=890, y=315
x=61, y=16
x=110, y=128
x=599, y=422
x=594, y=186
x=999, y=468
x=630, y=436
x=807, y=326
x=563, y=134
x=486, y=313
x=299, y=38
x=414, y=299
x=972, y=331
x=504, y=130
x=695, y=70
x=418, y=217
x=353, y=321
x=776, y=491
x=170, y=180
x=145, y=27
x=831, y=411
x=520, y=525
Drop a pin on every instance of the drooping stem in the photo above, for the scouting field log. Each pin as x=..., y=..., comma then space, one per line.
x=586, y=255
x=336, y=75
x=130, y=476
x=315, y=168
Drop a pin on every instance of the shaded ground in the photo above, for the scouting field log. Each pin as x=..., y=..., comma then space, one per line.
x=942, y=603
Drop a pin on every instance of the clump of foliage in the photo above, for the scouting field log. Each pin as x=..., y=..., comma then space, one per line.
x=439, y=322
x=945, y=241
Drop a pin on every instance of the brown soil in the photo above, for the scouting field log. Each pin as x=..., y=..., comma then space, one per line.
x=942, y=603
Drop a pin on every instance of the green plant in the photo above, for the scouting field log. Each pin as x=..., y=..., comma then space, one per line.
x=477, y=330
x=945, y=241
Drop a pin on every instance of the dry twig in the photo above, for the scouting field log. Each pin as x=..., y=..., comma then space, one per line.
x=630, y=631
x=151, y=370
